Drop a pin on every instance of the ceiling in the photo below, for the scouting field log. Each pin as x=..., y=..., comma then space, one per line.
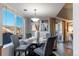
x=66, y=12
x=43, y=9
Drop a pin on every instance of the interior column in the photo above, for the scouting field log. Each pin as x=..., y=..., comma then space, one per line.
x=52, y=26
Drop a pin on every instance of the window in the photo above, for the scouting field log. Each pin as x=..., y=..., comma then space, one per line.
x=19, y=26
x=7, y=25
x=11, y=25
x=8, y=21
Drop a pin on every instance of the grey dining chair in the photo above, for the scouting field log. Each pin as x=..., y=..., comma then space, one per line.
x=17, y=46
x=46, y=50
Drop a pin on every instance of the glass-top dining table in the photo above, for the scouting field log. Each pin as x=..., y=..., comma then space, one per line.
x=33, y=40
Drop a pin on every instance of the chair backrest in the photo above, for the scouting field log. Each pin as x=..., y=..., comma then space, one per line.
x=49, y=45
x=28, y=35
x=48, y=35
x=6, y=38
x=15, y=40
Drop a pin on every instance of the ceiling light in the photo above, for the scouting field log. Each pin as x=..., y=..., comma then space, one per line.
x=35, y=19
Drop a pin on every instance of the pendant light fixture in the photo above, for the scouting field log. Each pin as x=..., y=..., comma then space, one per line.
x=35, y=19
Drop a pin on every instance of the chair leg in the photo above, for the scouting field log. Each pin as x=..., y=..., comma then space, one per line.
x=25, y=53
x=19, y=53
x=14, y=53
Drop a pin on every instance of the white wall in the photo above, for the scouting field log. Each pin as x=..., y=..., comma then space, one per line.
x=76, y=29
x=8, y=50
x=28, y=25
